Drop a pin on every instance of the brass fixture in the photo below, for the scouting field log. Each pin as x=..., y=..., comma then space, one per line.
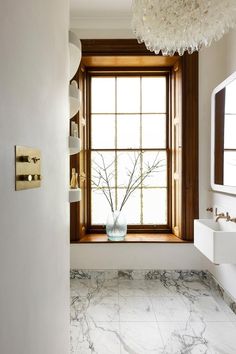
x=25, y=159
x=28, y=178
x=36, y=177
x=223, y=216
x=27, y=168
x=29, y=159
x=232, y=220
x=209, y=209
x=35, y=159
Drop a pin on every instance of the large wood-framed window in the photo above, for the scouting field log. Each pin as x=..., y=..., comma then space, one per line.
x=129, y=123
x=125, y=58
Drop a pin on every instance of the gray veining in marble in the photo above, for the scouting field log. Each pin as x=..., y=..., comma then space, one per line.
x=150, y=311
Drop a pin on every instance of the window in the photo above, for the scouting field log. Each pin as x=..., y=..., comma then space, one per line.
x=118, y=68
x=129, y=126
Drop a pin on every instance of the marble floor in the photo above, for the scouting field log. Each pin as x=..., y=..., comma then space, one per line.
x=159, y=312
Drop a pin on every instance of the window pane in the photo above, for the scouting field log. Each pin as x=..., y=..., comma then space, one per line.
x=103, y=131
x=155, y=206
x=126, y=163
x=230, y=129
x=103, y=95
x=154, y=95
x=159, y=177
x=153, y=131
x=128, y=131
x=128, y=94
x=100, y=207
x=103, y=163
x=132, y=209
x=230, y=168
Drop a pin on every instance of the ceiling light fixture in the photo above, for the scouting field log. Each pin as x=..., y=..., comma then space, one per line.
x=181, y=25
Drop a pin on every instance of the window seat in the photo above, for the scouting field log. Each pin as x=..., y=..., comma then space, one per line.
x=134, y=238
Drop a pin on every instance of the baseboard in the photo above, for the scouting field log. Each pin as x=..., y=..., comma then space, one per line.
x=224, y=294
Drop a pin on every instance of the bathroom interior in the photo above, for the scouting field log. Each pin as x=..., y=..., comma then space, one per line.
x=118, y=183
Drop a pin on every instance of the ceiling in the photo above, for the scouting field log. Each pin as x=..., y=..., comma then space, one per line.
x=100, y=8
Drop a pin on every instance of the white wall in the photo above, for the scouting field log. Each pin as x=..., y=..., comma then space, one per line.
x=34, y=247
x=216, y=63
x=137, y=256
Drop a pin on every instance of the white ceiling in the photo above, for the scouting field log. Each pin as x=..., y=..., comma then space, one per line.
x=100, y=8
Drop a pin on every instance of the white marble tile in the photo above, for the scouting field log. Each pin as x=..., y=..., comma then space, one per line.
x=111, y=274
x=206, y=309
x=78, y=308
x=198, y=337
x=170, y=308
x=107, y=287
x=94, y=287
x=221, y=337
x=192, y=288
x=140, y=337
x=157, y=288
x=136, y=309
x=103, y=308
x=184, y=337
x=132, y=287
x=132, y=274
x=99, y=338
x=81, y=287
x=79, y=274
x=225, y=308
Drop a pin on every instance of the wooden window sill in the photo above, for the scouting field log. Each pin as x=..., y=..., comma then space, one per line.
x=134, y=238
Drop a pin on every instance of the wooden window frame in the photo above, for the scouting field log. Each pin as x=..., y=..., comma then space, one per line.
x=129, y=72
x=185, y=76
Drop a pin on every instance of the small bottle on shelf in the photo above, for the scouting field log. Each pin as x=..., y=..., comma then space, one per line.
x=74, y=180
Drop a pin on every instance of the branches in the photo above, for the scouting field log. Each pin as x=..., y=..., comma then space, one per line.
x=105, y=176
x=136, y=183
x=137, y=174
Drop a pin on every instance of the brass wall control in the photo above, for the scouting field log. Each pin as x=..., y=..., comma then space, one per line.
x=27, y=168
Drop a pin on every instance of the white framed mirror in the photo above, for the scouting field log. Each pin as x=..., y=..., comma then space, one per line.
x=223, y=136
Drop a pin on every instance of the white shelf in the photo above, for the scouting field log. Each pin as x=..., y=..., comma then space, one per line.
x=74, y=52
x=74, y=145
x=74, y=195
x=75, y=98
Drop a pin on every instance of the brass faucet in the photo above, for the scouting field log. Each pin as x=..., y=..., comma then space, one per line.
x=226, y=216
x=223, y=216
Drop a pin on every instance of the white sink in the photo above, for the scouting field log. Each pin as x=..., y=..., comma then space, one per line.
x=216, y=240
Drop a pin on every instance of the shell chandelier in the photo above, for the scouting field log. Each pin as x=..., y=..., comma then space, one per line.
x=173, y=26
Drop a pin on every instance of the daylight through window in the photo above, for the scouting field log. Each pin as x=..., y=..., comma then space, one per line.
x=129, y=129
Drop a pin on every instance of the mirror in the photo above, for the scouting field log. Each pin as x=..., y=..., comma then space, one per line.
x=223, y=136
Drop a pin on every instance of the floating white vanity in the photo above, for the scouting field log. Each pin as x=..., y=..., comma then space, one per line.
x=216, y=240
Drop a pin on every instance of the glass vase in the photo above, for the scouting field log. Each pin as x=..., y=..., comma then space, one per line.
x=116, y=226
